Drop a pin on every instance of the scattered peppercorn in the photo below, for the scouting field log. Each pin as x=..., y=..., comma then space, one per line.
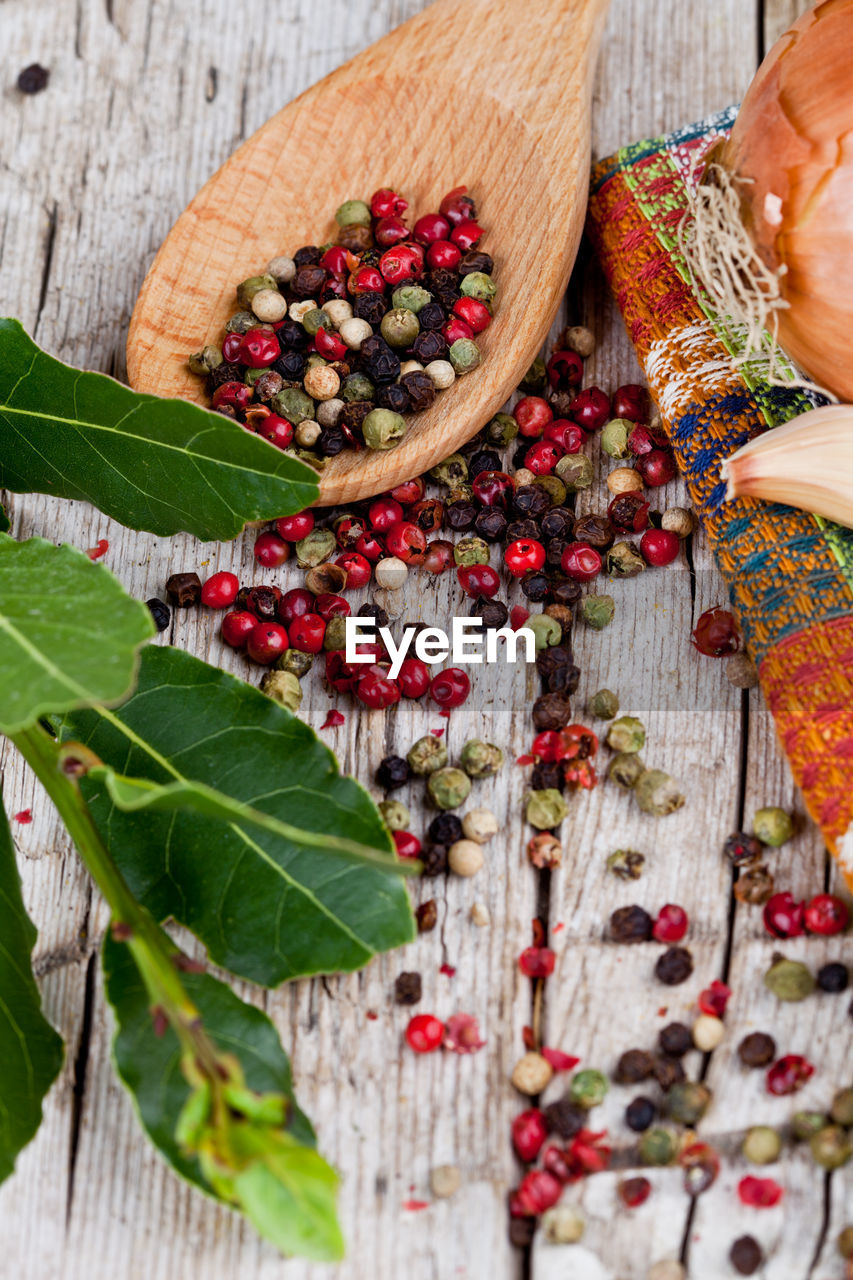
x=658, y=1146
x=392, y=772
x=407, y=988
x=674, y=966
x=675, y=1039
x=640, y=1114
x=757, y=1049
x=789, y=980
x=588, y=1088
x=772, y=826
x=33, y=79
x=686, y=1102
x=746, y=1255
x=627, y=864
x=668, y=1071
x=833, y=978
x=565, y=1117
x=184, y=589
x=633, y=1066
x=160, y=612
x=426, y=916
x=631, y=924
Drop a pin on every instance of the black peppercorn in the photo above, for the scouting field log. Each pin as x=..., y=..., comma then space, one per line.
x=261, y=601
x=432, y=316
x=421, y=389
x=353, y=415
x=490, y=524
x=536, y=586
x=378, y=360
x=668, y=1071
x=446, y=828
x=554, y=549
x=483, y=460
x=308, y=281
x=370, y=307
x=426, y=916
x=392, y=772
x=521, y=529
x=460, y=515
x=531, y=500
x=640, y=1113
x=832, y=977
x=564, y=616
x=407, y=988
x=292, y=336
x=474, y=260
x=307, y=255
x=374, y=611
x=742, y=850
x=746, y=1255
x=675, y=1040
x=598, y=531
x=519, y=456
x=757, y=1049
x=225, y=372
x=551, y=711
x=430, y=344
x=565, y=591
x=560, y=402
x=674, y=966
x=393, y=396
x=160, y=612
x=184, y=589
x=559, y=522
x=444, y=287
x=33, y=78
x=331, y=441
x=630, y=924
x=434, y=859
x=633, y=1066
x=564, y=1117
x=493, y=612
x=547, y=774
x=549, y=660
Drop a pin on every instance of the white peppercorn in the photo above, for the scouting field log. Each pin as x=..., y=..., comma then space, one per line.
x=298, y=310
x=678, y=520
x=563, y=1224
x=442, y=373
x=322, y=382
x=480, y=915
x=523, y=476
x=391, y=572
x=269, y=305
x=480, y=825
x=282, y=269
x=531, y=1074
x=328, y=411
x=624, y=480
x=708, y=1031
x=411, y=366
x=445, y=1180
x=580, y=339
x=465, y=858
x=307, y=433
x=354, y=331
x=338, y=310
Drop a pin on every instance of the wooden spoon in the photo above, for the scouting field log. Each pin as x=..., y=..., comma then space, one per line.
x=494, y=94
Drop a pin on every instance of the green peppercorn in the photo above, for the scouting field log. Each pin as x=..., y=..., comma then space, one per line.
x=353, y=213
x=762, y=1145
x=452, y=472
x=575, y=470
x=502, y=430
x=448, y=788
x=657, y=793
x=460, y=493
x=588, y=1088
x=597, y=611
x=308, y=456
x=830, y=1147
x=412, y=297
x=395, y=815
x=545, y=809
x=251, y=376
x=614, y=437
x=283, y=687
x=247, y=289
x=805, y=1124
x=206, y=360
x=604, y=705
x=533, y=381
x=841, y=1110
x=563, y=1224
x=471, y=551
x=335, y=636
x=481, y=759
x=789, y=980
x=314, y=321
x=772, y=826
x=399, y=327
x=293, y=404
x=547, y=631
x=554, y=488
x=626, y=769
x=383, y=429
x=464, y=355
x=315, y=547
x=476, y=284
x=241, y=322
x=844, y=1243
x=686, y=1102
x=627, y=864
x=296, y=662
x=426, y=755
x=624, y=560
x=658, y=1146
x=626, y=734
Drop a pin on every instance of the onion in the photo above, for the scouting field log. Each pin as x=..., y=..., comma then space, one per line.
x=773, y=236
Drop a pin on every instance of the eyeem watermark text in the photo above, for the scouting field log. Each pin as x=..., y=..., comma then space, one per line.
x=469, y=643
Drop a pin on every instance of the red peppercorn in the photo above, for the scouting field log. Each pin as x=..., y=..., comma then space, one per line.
x=539, y=1191
x=220, y=590
x=701, y=1165
x=357, y=569
x=467, y=234
x=578, y=742
x=456, y=328
x=376, y=690
x=478, y=580
x=523, y=555
x=443, y=255
x=408, y=845
x=277, y=430
x=564, y=370
x=715, y=633
x=234, y=394
x=671, y=924
x=789, y=1074
x=713, y=999
x=266, y=642
x=532, y=414
x=259, y=348
x=409, y=492
x=529, y=1132
x=656, y=468
x=581, y=562
x=631, y=401
x=231, y=347
x=759, y=1193
x=383, y=513
x=568, y=435
x=365, y=280
x=659, y=546
x=307, y=632
x=329, y=606
x=413, y=678
x=475, y=313
x=634, y=1191
x=439, y=556
x=237, y=626
x=403, y=262
x=456, y=206
x=295, y=528
x=430, y=228
x=424, y=1033
x=542, y=458
x=590, y=409
x=406, y=541
x=493, y=488
x=335, y=260
x=330, y=345
x=271, y=550
x=642, y=440
x=385, y=202
x=370, y=546
x=450, y=687
x=537, y=962
x=548, y=746
x=824, y=913
x=629, y=511
x=295, y=604
x=390, y=231
x=783, y=916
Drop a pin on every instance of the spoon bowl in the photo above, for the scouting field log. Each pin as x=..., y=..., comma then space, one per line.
x=493, y=94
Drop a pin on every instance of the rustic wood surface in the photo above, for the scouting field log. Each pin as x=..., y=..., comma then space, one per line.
x=147, y=98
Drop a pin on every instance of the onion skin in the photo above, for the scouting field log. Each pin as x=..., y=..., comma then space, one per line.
x=790, y=155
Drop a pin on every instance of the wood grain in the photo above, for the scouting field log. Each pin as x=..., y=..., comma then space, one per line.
x=147, y=98
x=513, y=126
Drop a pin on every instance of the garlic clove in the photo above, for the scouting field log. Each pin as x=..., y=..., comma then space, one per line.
x=807, y=463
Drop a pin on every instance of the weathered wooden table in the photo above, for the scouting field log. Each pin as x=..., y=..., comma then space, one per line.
x=146, y=98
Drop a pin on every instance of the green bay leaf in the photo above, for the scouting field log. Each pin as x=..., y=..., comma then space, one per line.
x=30, y=1050
x=164, y=466
x=266, y=907
x=69, y=634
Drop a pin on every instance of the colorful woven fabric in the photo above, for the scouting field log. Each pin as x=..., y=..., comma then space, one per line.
x=790, y=575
